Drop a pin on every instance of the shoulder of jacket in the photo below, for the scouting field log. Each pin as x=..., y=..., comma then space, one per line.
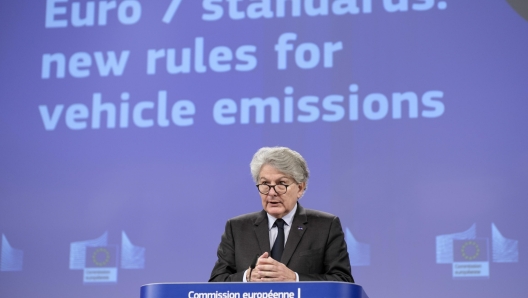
x=246, y=217
x=318, y=214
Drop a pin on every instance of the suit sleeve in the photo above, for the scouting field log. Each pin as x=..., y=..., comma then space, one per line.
x=336, y=263
x=225, y=267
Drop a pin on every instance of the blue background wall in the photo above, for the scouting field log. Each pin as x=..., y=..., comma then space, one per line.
x=135, y=166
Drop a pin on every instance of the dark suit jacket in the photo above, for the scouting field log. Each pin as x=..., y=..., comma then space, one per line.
x=315, y=248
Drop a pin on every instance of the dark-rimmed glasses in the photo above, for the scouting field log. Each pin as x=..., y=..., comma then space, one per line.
x=279, y=188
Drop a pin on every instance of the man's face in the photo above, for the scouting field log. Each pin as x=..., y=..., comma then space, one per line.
x=275, y=204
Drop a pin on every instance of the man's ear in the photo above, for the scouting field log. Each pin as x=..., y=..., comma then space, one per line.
x=302, y=188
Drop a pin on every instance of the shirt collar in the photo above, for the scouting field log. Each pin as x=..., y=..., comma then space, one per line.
x=288, y=218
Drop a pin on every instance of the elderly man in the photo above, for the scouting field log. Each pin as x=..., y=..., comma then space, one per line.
x=292, y=243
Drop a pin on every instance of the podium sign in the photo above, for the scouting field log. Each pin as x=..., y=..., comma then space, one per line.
x=254, y=290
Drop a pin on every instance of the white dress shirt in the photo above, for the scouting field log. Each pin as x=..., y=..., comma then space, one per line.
x=273, y=231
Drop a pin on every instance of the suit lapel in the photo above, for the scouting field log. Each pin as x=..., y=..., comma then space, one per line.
x=297, y=230
x=262, y=232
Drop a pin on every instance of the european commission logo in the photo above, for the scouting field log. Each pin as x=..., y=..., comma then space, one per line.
x=11, y=259
x=359, y=253
x=100, y=261
x=471, y=256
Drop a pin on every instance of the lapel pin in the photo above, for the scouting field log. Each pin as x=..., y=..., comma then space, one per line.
x=300, y=228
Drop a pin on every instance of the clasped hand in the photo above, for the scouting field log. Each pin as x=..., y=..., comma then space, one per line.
x=268, y=269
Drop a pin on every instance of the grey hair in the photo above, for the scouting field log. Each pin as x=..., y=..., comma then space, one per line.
x=284, y=159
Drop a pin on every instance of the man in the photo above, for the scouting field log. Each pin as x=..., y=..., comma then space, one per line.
x=292, y=243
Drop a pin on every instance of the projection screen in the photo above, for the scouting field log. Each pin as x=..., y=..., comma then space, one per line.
x=128, y=126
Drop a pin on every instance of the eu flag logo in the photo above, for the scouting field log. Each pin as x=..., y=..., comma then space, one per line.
x=471, y=250
x=101, y=256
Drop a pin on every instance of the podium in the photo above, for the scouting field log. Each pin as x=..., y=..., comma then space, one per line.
x=253, y=290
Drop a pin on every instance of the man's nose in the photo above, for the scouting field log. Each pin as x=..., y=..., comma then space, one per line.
x=272, y=192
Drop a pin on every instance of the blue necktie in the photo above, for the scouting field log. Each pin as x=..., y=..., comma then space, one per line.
x=278, y=246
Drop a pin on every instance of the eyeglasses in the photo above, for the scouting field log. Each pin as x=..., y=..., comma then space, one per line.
x=279, y=188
